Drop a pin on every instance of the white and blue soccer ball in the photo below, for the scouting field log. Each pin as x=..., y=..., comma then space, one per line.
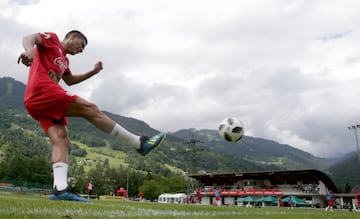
x=231, y=129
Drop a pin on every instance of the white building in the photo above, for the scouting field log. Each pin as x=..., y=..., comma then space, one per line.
x=178, y=198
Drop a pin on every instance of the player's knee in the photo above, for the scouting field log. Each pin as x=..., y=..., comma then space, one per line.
x=83, y=108
x=58, y=133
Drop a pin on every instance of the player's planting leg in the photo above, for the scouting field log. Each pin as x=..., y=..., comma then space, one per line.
x=59, y=155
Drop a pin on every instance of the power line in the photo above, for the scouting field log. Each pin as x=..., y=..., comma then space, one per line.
x=192, y=152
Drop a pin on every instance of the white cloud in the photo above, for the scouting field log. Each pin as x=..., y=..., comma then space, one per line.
x=288, y=69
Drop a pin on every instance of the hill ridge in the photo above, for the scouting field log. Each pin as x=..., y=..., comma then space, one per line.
x=215, y=155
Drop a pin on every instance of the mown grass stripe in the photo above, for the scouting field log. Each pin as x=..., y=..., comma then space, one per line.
x=39, y=207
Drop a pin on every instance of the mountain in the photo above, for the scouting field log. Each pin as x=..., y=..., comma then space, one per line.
x=347, y=171
x=11, y=93
x=189, y=150
x=257, y=150
x=341, y=158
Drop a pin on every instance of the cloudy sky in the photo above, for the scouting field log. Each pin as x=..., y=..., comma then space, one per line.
x=289, y=69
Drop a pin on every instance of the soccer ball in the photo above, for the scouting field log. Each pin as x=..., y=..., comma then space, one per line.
x=231, y=129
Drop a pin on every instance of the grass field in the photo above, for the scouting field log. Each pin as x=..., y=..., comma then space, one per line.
x=39, y=207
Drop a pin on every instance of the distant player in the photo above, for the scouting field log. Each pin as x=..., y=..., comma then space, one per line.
x=198, y=195
x=330, y=201
x=47, y=102
x=217, y=197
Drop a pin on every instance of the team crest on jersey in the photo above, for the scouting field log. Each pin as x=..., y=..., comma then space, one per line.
x=61, y=62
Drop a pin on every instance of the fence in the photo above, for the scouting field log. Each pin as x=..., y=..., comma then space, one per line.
x=23, y=187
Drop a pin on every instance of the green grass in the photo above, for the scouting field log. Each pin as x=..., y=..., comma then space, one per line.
x=39, y=207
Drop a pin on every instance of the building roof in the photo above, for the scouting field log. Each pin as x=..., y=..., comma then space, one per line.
x=173, y=195
x=356, y=189
x=275, y=177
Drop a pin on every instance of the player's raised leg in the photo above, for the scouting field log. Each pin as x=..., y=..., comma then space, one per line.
x=83, y=108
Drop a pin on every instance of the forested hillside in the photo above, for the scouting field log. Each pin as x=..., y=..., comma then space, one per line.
x=346, y=173
x=110, y=161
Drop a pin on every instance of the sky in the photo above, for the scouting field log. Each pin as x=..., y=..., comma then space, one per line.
x=289, y=69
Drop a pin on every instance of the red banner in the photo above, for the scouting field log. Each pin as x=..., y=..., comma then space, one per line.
x=246, y=192
x=6, y=184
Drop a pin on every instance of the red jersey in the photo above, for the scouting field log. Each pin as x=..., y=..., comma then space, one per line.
x=50, y=57
x=45, y=100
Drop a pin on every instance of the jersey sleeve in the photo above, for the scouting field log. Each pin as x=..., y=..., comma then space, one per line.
x=48, y=39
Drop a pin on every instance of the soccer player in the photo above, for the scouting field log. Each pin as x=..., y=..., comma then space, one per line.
x=217, y=197
x=50, y=104
x=330, y=201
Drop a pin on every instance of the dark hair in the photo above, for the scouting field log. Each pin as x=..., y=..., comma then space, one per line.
x=77, y=33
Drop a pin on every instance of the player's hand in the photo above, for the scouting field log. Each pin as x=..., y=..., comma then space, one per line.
x=26, y=57
x=98, y=67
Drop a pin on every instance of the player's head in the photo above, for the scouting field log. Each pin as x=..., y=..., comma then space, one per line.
x=76, y=42
x=77, y=34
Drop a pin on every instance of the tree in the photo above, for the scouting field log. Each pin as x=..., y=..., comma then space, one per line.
x=136, y=180
x=40, y=171
x=16, y=168
x=174, y=184
x=347, y=188
x=75, y=150
x=151, y=189
x=99, y=178
x=78, y=173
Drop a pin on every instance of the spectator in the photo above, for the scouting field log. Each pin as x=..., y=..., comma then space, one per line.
x=89, y=188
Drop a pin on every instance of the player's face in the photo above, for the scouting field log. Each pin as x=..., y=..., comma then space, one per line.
x=77, y=45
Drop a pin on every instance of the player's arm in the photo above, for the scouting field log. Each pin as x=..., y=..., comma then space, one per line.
x=71, y=79
x=29, y=42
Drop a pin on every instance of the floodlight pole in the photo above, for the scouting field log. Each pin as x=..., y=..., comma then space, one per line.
x=355, y=127
x=127, y=180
